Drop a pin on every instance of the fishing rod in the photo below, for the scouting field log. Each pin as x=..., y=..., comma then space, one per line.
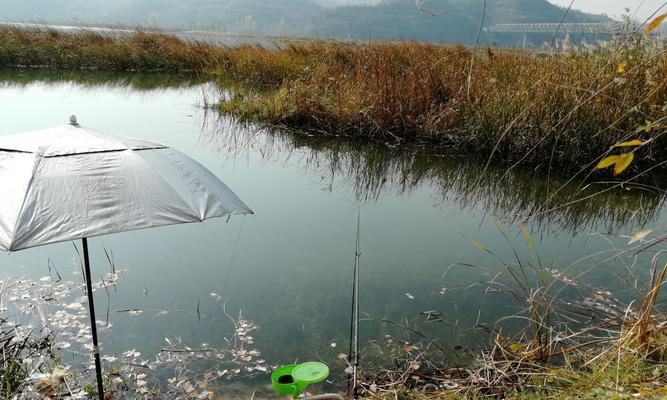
x=354, y=323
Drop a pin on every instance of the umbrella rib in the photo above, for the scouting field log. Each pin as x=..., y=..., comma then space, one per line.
x=105, y=151
x=15, y=151
x=166, y=182
x=38, y=160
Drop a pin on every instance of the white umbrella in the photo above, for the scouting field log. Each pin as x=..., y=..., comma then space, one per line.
x=70, y=182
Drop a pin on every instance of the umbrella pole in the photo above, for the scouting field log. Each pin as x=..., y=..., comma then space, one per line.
x=93, y=323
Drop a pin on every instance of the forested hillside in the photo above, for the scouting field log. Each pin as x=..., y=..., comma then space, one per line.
x=444, y=20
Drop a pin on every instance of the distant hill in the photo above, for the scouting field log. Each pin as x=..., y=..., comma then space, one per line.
x=338, y=3
x=281, y=17
x=455, y=20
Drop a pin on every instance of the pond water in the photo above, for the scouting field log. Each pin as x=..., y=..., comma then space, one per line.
x=288, y=268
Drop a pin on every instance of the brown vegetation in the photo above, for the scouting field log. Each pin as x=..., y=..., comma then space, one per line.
x=138, y=52
x=562, y=110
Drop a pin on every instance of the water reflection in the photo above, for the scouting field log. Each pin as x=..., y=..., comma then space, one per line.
x=375, y=170
x=98, y=80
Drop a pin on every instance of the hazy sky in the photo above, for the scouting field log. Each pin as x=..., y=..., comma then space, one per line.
x=615, y=8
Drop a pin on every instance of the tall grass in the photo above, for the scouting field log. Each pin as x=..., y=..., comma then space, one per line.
x=137, y=52
x=568, y=339
x=564, y=110
x=15, y=348
x=558, y=112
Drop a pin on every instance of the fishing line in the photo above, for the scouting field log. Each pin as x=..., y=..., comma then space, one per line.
x=553, y=40
x=231, y=260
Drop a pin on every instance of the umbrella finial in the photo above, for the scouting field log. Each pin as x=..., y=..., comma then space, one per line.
x=72, y=120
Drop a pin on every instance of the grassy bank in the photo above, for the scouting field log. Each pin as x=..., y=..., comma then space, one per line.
x=139, y=52
x=562, y=111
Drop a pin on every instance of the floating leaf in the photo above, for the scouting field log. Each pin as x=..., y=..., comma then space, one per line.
x=620, y=162
x=631, y=143
x=654, y=24
x=639, y=236
x=622, y=67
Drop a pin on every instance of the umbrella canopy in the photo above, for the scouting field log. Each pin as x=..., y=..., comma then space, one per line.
x=71, y=182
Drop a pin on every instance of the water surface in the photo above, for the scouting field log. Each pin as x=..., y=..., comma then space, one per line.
x=288, y=268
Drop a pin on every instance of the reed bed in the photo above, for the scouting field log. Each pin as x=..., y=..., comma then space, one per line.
x=563, y=110
x=84, y=50
x=557, y=112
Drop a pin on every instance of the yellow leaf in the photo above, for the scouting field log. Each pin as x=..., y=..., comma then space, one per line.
x=624, y=162
x=622, y=67
x=606, y=162
x=620, y=162
x=654, y=24
x=631, y=143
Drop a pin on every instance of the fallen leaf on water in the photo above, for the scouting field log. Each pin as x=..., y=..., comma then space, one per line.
x=639, y=236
